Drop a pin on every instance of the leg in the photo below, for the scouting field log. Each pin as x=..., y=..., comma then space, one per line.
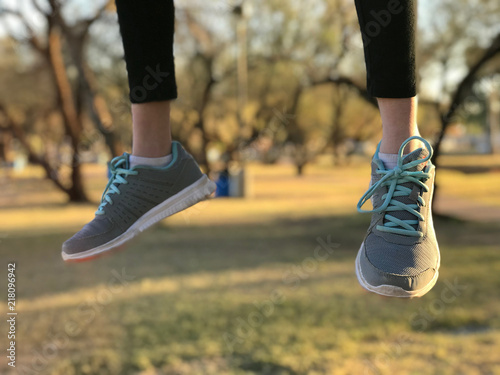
x=147, y=28
x=151, y=129
x=160, y=178
x=388, y=30
x=399, y=122
x=399, y=256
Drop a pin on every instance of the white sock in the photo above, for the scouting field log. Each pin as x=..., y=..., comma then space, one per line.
x=390, y=160
x=153, y=162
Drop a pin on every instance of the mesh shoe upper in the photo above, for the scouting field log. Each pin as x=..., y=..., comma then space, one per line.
x=130, y=194
x=400, y=247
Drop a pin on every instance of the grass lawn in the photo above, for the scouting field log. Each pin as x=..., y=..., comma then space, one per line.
x=264, y=285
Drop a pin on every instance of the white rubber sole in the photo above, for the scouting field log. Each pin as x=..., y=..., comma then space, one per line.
x=189, y=196
x=391, y=290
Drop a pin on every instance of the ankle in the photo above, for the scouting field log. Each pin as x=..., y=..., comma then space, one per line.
x=399, y=122
x=151, y=129
x=392, y=141
x=154, y=148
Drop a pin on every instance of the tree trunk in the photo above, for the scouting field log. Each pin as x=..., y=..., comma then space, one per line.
x=69, y=112
x=300, y=169
x=76, y=192
x=98, y=110
x=494, y=121
x=462, y=90
x=5, y=142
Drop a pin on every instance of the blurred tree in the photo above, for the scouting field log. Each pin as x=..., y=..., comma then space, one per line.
x=206, y=64
x=71, y=79
x=494, y=120
x=310, y=44
x=306, y=91
x=463, y=89
x=456, y=50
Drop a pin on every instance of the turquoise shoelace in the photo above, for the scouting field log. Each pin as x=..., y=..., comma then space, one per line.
x=394, y=179
x=118, y=176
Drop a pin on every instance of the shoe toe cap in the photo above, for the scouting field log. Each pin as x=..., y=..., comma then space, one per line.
x=409, y=267
x=411, y=281
x=95, y=233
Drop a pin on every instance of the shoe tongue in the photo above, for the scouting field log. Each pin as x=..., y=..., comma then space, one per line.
x=127, y=161
x=116, y=160
x=125, y=157
x=420, y=153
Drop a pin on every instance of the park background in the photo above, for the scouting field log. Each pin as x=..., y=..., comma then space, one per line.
x=273, y=93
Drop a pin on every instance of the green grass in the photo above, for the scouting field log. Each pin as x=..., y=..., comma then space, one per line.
x=200, y=298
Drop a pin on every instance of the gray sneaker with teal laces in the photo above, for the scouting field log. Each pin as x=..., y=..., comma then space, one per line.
x=399, y=256
x=135, y=199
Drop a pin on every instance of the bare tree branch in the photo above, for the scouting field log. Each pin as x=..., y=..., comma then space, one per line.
x=38, y=7
x=33, y=157
x=90, y=21
x=32, y=39
x=462, y=91
x=350, y=83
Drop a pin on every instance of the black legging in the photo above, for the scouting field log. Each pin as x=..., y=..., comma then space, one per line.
x=387, y=27
x=147, y=28
x=388, y=30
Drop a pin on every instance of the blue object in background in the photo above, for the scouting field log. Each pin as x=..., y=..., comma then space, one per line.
x=222, y=185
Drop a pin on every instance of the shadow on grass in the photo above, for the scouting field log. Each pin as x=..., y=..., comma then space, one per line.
x=181, y=332
x=169, y=251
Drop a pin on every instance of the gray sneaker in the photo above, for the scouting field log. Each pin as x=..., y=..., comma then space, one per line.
x=399, y=256
x=135, y=199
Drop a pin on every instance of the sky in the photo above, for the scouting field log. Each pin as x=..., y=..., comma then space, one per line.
x=85, y=8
